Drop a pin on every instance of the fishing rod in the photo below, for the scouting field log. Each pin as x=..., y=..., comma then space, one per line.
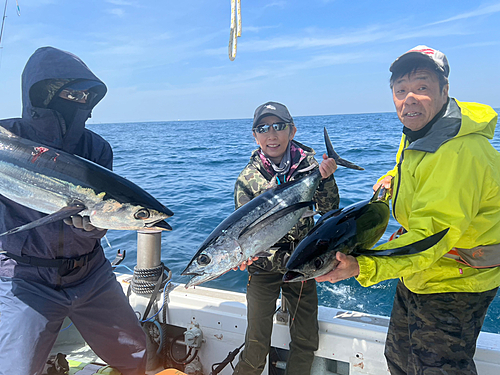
x=18, y=9
x=3, y=24
x=3, y=21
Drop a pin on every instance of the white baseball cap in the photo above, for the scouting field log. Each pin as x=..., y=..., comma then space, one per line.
x=424, y=53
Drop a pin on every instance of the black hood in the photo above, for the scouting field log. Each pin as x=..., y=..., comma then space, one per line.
x=48, y=71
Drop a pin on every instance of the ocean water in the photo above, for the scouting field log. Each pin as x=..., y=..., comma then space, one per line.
x=191, y=167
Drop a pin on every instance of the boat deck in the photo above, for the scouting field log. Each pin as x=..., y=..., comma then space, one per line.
x=350, y=342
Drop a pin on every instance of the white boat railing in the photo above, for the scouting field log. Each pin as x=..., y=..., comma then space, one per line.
x=350, y=342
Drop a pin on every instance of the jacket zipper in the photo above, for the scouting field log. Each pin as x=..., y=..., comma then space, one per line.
x=399, y=183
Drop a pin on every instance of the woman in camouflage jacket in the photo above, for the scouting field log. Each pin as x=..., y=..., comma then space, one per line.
x=280, y=159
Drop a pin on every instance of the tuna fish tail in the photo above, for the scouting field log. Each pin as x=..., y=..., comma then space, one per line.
x=332, y=154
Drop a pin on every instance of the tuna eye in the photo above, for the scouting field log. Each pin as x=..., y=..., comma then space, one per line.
x=203, y=260
x=142, y=214
x=318, y=263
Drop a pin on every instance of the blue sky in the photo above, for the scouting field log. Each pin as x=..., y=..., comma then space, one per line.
x=168, y=60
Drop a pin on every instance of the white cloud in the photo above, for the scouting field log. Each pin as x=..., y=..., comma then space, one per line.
x=482, y=11
x=479, y=44
x=279, y=4
x=374, y=33
x=116, y=12
x=122, y=2
x=371, y=34
x=257, y=29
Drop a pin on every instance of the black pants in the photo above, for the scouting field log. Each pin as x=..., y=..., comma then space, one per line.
x=435, y=333
x=263, y=290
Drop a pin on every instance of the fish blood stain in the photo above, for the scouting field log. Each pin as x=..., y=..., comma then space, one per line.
x=38, y=152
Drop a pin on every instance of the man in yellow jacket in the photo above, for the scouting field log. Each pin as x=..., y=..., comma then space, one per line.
x=447, y=176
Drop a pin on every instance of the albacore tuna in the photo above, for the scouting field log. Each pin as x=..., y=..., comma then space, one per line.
x=256, y=226
x=352, y=230
x=60, y=184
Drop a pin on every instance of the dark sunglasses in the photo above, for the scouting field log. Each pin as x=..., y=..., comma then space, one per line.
x=78, y=96
x=279, y=126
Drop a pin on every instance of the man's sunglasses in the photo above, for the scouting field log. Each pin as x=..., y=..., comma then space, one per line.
x=78, y=96
x=279, y=126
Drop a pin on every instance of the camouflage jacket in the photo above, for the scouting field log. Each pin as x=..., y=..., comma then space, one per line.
x=255, y=178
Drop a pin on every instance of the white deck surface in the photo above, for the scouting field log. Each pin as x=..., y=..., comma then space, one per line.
x=353, y=338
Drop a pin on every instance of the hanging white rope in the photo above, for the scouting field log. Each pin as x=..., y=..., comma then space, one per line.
x=235, y=31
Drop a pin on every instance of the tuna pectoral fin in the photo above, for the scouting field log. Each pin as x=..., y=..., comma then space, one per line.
x=263, y=254
x=259, y=225
x=56, y=216
x=413, y=248
x=332, y=154
x=308, y=213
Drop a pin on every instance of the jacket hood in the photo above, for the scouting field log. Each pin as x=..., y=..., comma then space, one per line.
x=459, y=119
x=477, y=118
x=47, y=72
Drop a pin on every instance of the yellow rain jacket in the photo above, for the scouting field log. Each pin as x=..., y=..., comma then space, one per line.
x=450, y=178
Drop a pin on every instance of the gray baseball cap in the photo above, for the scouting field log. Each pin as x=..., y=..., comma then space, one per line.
x=271, y=109
x=424, y=53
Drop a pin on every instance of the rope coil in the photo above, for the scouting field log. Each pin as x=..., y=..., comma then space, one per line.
x=144, y=280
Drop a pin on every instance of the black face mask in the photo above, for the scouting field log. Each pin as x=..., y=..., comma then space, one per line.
x=66, y=108
x=72, y=113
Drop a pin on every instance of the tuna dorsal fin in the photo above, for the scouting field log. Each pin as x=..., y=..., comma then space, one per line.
x=332, y=154
x=258, y=225
x=413, y=248
x=376, y=194
x=56, y=216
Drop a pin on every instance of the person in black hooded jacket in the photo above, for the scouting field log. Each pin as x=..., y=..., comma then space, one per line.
x=59, y=92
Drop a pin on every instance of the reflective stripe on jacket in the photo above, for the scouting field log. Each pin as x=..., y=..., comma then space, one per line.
x=450, y=178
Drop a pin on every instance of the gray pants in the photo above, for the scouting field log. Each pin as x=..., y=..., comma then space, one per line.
x=435, y=333
x=263, y=290
x=31, y=315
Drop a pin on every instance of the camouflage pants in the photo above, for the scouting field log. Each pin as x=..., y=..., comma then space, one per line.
x=435, y=333
x=263, y=290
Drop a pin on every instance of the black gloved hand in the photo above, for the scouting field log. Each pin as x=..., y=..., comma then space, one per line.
x=81, y=223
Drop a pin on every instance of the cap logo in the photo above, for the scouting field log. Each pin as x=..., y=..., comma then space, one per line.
x=437, y=57
x=427, y=51
x=269, y=106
